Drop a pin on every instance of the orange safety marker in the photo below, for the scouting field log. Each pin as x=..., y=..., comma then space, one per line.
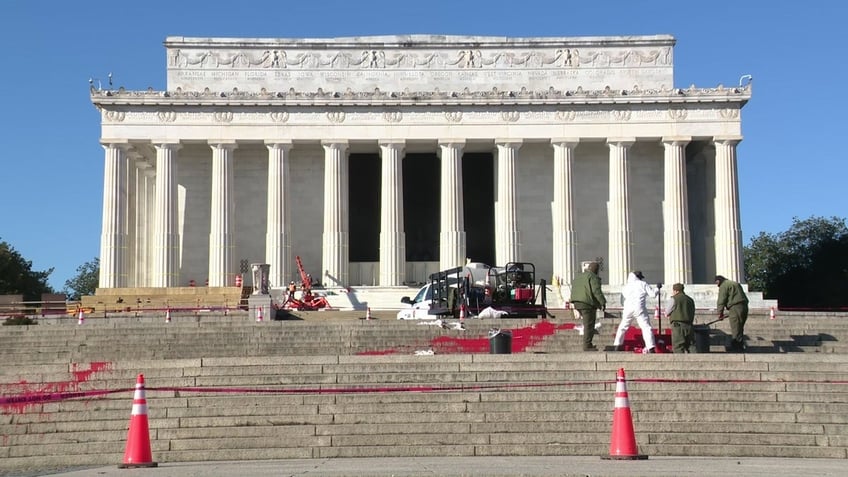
x=259, y=314
x=168, y=315
x=81, y=317
x=623, y=439
x=368, y=313
x=137, y=453
x=771, y=313
x=462, y=313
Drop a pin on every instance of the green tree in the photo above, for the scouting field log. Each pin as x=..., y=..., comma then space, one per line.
x=18, y=277
x=805, y=266
x=86, y=280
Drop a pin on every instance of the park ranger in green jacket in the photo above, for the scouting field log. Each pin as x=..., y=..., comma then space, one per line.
x=681, y=314
x=587, y=298
x=731, y=296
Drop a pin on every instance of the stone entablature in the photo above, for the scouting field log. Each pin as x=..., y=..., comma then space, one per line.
x=419, y=63
x=695, y=111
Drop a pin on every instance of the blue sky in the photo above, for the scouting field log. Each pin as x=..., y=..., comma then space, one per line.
x=792, y=162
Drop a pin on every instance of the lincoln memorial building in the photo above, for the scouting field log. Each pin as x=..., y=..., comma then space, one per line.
x=379, y=160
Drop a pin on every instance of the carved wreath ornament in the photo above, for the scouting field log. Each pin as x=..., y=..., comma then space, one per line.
x=167, y=116
x=336, y=116
x=510, y=116
x=393, y=116
x=223, y=116
x=453, y=116
x=279, y=116
x=115, y=116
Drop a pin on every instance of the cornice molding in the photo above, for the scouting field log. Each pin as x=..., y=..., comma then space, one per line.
x=377, y=98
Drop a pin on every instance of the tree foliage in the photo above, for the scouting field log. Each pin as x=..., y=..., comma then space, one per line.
x=17, y=276
x=805, y=266
x=86, y=280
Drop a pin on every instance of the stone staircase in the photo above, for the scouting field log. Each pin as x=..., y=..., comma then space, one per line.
x=330, y=384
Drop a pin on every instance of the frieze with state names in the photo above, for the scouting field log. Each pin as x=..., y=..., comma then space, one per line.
x=419, y=62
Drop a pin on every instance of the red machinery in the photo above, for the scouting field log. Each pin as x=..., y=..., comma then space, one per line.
x=307, y=301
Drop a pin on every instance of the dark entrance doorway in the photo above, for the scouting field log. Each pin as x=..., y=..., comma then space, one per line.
x=478, y=188
x=364, y=214
x=421, y=207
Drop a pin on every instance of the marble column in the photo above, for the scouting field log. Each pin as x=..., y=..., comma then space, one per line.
x=336, y=200
x=166, y=240
x=452, y=249
x=144, y=221
x=277, y=237
x=392, y=236
x=618, y=212
x=564, y=240
x=728, y=238
x=113, y=239
x=508, y=237
x=677, y=246
x=135, y=206
x=221, y=217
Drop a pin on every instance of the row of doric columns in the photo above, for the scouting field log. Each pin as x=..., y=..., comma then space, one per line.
x=134, y=199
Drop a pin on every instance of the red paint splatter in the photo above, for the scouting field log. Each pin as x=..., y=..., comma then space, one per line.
x=633, y=340
x=522, y=338
x=81, y=376
x=19, y=397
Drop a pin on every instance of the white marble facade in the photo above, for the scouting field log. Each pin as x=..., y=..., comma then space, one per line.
x=248, y=154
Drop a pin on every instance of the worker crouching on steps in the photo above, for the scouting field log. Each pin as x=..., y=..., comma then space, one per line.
x=587, y=298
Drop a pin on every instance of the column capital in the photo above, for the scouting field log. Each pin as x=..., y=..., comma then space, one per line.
x=676, y=140
x=565, y=141
x=279, y=143
x=452, y=143
x=123, y=143
x=172, y=144
x=729, y=140
x=621, y=141
x=335, y=143
x=509, y=142
x=223, y=144
x=392, y=142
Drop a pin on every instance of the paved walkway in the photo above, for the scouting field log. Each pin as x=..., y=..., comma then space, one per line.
x=484, y=466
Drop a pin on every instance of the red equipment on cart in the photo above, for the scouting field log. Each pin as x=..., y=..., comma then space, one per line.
x=307, y=301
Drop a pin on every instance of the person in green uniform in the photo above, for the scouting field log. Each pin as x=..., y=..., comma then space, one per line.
x=587, y=298
x=681, y=314
x=731, y=296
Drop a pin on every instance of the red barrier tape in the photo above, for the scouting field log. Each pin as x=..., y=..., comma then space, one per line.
x=30, y=399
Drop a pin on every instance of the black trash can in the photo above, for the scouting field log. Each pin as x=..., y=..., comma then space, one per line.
x=702, y=338
x=500, y=341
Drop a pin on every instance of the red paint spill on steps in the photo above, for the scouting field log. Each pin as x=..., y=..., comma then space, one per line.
x=522, y=338
x=17, y=397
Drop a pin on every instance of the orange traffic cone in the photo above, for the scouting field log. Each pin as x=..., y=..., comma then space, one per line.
x=368, y=313
x=657, y=313
x=137, y=453
x=771, y=313
x=623, y=439
x=259, y=314
x=462, y=313
x=81, y=318
x=167, y=315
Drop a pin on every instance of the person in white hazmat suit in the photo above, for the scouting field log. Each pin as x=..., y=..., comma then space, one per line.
x=635, y=294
